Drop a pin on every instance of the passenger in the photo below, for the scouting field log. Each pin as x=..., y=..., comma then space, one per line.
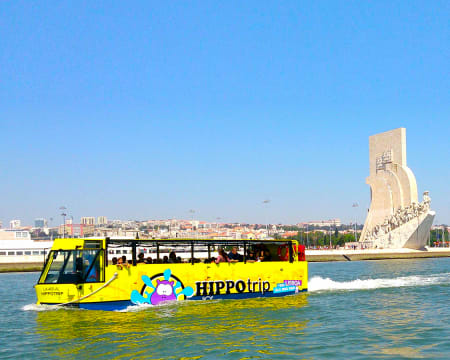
x=267, y=256
x=222, y=257
x=165, y=260
x=234, y=256
x=251, y=256
x=87, y=263
x=141, y=258
x=261, y=256
x=114, y=261
x=79, y=265
x=172, y=257
x=148, y=260
x=122, y=262
x=179, y=259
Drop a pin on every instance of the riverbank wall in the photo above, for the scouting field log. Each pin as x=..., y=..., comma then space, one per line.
x=311, y=256
x=20, y=267
x=374, y=254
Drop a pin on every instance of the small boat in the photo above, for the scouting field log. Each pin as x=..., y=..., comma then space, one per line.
x=85, y=273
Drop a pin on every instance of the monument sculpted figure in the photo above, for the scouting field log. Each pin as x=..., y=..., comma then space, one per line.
x=426, y=199
x=396, y=218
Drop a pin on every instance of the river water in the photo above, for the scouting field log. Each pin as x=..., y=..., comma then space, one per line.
x=393, y=309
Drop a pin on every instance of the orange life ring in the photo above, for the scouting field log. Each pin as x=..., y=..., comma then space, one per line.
x=284, y=257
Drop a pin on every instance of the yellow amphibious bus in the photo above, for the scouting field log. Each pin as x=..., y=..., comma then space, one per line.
x=112, y=274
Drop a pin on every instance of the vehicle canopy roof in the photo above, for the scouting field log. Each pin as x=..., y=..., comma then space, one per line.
x=78, y=243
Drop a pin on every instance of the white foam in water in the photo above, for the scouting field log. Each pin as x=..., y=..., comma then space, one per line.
x=137, y=307
x=35, y=307
x=318, y=283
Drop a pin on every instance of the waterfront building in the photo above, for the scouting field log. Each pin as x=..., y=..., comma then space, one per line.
x=14, y=234
x=16, y=246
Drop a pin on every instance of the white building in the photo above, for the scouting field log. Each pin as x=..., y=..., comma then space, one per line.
x=330, y=222
x=10, y=234
x=16, y=247
x=14, y=224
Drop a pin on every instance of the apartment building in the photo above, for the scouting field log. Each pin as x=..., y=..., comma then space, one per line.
x=102, y=220
x=88, y=220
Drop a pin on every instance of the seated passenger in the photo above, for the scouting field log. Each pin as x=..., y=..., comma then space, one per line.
x=114, y=261
x=148, y=260
x=122, y=262
x=222, y=257
x=165, y=260
x=261, y=255
x=251, y=257
x=172, y=257
x=267, y=256
x=234, y=256
x=141, y=258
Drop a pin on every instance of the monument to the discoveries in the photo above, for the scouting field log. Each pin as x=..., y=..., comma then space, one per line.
x=396, y=219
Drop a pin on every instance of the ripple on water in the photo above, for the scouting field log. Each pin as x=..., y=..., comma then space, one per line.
x=359, y=310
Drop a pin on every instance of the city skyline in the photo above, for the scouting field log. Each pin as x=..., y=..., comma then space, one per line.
x=150, y=112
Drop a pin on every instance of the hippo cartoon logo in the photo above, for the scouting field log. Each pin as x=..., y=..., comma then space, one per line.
x=160, y=288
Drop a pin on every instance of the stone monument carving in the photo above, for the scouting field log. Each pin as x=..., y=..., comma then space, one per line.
x=396, y=218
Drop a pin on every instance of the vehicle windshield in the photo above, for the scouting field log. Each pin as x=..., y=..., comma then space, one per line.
x=73, y=267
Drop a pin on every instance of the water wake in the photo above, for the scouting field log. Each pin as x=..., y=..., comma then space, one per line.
x=137, y=307
x=318, y=283
x=315, y=284
x=167, y=306
x=36, y=307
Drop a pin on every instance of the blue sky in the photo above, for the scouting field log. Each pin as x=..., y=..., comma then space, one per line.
x=141, y=110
